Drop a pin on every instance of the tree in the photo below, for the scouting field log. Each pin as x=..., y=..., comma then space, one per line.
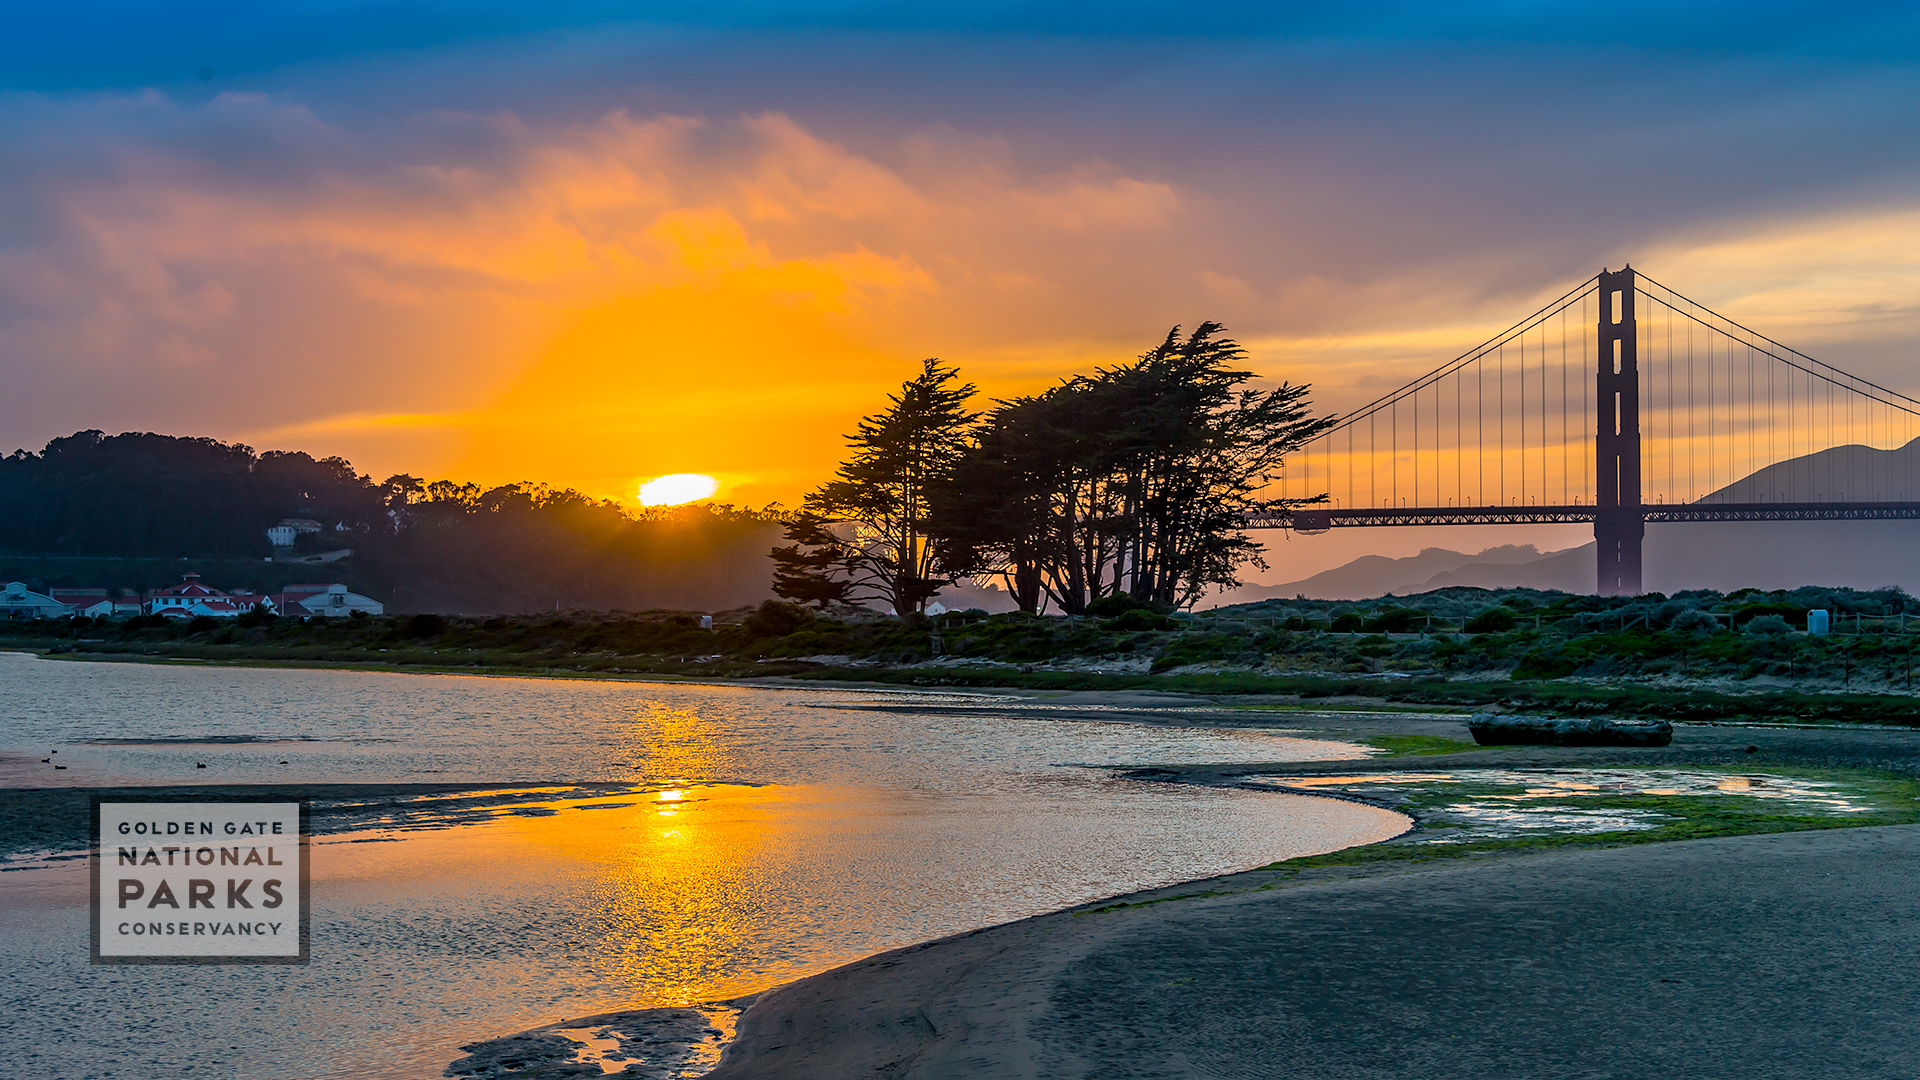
x=1135, y=480
x=866, y=529
x=804, y=571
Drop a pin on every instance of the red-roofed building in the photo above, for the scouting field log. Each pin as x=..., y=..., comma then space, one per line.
x=97, y=603
x=190, y=598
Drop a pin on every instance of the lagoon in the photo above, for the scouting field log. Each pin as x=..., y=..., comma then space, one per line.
x=744, y=836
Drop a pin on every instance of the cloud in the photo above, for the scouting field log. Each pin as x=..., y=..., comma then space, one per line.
x=581, y=295
x=590, y=288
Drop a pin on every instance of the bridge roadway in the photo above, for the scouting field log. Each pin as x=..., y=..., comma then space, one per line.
x=1316, y=519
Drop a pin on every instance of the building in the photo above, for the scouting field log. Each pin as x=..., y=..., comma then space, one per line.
x=283, y=535
x=325, y=601
x=96, y=603
x=190, y=598
x=18, y=602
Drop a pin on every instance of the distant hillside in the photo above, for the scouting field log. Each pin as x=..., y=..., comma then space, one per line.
x=135, y=511
x=1720, y=556
x=1838, y=474
x=1378, y=575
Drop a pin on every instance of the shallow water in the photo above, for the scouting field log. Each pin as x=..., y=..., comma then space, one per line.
x=765, y=834
x=1499, y=804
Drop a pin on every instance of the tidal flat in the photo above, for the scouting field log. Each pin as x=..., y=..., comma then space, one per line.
x=498, y=854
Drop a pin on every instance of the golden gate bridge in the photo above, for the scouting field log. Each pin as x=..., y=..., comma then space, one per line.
x=1621, y=403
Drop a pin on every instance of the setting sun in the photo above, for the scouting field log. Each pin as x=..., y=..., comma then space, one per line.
x=677, y=488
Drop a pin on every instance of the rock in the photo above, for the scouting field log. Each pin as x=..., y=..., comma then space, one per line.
x=1491, y=729
x=522, y=1057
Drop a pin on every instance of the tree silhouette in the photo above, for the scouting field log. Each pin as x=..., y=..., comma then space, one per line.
x=866, y=529
x=1132, y=481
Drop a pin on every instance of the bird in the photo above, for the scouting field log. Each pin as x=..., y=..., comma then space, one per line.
x=45, y=760
x=59, y=766
x=199, y=764
x=283, y=763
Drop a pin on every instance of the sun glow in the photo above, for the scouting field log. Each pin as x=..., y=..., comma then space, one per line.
x=676, y=488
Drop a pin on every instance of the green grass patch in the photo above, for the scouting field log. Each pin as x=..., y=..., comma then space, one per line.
x=1405, y=745
x=1882, y=798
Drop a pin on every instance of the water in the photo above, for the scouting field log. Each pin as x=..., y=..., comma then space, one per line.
x=1499, y=804
x=760, y=835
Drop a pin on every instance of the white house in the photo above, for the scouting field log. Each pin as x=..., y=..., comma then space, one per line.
x=18, y=602
x=190, y=598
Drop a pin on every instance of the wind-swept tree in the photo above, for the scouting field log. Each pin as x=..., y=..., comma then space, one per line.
x=863, y=535
x=1134, y=480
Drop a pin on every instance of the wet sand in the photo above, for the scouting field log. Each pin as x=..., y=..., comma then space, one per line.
x=1786, y=955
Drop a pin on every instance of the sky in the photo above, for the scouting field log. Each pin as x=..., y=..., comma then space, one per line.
x=589, y=244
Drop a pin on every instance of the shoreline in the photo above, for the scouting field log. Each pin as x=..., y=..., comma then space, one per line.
x=1037, y=998
x=1707, y=701
x=921, y=1010
x=776, y=1014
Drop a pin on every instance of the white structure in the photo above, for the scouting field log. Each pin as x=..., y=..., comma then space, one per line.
x=190, y=598
x=283, y=535
x=96, y=603
x=18, y=602
x=326, y=601
x=1817, y=622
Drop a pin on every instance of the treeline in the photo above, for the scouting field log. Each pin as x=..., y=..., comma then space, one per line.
x=1130, y=481
x=418, y=546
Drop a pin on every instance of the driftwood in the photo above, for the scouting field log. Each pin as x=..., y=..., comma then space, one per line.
x=1491, y=729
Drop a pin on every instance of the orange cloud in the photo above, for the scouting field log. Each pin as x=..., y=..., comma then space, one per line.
x=589, y=304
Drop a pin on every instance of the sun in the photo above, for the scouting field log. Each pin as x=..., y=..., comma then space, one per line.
x=676, y=488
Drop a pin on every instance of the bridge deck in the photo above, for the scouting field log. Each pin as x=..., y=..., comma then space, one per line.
x=1316, y=520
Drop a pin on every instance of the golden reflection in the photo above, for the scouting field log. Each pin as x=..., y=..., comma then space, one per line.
x=674, y=747
x=1381, y=778
x=674, y=909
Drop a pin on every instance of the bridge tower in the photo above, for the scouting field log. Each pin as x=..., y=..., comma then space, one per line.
x=1620, y=522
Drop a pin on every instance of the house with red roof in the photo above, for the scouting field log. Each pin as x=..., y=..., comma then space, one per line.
x=191, y=598
x=97, y=603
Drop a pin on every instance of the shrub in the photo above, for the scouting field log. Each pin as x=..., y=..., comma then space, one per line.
x=1767, y=624
x=775, y=619
x=1694, y=622
x=425, y=625
x=1494, y=620
x=1540, y=665
x=200, y=624
x=1400, y=620
x=1118, y=604
x=1140, y=618
x=1348, y=623
x=258, y=615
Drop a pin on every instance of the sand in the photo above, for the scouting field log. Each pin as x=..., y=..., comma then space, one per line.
x=1785, y=955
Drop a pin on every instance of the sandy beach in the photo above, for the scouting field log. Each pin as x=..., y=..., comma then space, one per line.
x=1783, y=955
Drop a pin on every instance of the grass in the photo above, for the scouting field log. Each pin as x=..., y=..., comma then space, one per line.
x=1892, y=799
x=1410, y=745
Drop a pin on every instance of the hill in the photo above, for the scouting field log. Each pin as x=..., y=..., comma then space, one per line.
x=1721, y=556
x=134, y=511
